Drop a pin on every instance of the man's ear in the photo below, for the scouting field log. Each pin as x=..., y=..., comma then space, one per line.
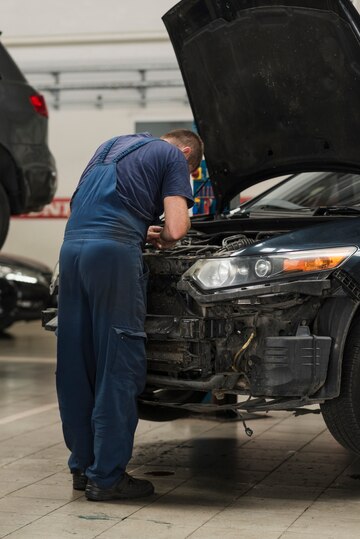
x=186, y=151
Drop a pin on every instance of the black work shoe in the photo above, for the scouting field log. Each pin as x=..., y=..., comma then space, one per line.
x=79, y=480
x=126, y=487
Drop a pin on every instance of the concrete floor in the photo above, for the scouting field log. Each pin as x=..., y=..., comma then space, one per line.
x=291, y=480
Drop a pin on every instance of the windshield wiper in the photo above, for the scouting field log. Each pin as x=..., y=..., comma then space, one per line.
x=263, y=209
x=337, y=210
x=263, y=205
x=279, y=206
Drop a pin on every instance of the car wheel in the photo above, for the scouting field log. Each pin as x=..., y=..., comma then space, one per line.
x=8, y=298
x=4, y=216
x=342, y=414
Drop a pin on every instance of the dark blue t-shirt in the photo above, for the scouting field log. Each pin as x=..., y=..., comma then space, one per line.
x=148, y=175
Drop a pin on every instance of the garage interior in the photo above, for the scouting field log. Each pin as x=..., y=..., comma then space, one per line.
x=290, y=479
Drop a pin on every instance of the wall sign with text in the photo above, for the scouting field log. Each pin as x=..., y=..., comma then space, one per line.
x=59, y=208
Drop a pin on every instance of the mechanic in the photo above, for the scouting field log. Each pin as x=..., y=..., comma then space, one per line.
x=101, y=364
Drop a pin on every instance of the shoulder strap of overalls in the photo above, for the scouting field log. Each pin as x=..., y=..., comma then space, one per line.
x=107, y=147
x=105, y=151
x=134, y=147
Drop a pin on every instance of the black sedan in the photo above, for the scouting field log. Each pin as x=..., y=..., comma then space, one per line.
x=24, y=289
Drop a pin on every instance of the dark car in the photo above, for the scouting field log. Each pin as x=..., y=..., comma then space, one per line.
x=27, y=168
x=24, y=289
x=260, y=307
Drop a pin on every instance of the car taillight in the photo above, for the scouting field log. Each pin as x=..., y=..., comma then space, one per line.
x=39, y=104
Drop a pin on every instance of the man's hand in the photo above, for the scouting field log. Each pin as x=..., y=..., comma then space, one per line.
x=153, y=237
x=177, y=223
x=167, y=244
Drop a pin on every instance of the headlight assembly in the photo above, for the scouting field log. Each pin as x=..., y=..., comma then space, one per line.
x=214, y=273
x=19, y=275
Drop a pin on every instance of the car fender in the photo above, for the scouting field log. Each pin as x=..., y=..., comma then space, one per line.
x=334, y=320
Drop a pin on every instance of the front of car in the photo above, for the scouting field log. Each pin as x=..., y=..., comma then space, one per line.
x=24, y=289
x=242, y=313
x=262, y=302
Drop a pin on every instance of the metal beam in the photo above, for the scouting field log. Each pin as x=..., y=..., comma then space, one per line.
x=87, y=79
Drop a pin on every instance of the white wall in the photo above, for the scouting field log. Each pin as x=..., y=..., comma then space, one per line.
x=51, y=17
x=56, y=17
x=55, y=29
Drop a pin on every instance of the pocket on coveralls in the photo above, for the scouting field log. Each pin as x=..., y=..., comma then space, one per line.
x=126, y=355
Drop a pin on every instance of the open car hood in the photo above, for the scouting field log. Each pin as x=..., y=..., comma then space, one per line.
x=274, y=86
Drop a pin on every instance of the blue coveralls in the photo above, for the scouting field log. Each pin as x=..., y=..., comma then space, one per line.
x=101, y=354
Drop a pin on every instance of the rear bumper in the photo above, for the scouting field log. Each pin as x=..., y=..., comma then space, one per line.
x=39, y=176
x=41, y=186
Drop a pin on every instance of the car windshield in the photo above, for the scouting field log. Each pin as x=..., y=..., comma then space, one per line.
x=311, y=190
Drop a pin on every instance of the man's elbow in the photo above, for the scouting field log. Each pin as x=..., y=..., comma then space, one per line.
x=178, y=235
x=177, y=231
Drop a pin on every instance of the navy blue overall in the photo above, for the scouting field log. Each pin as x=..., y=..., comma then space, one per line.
x=101, y=353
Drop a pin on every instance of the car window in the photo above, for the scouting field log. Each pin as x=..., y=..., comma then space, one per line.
x=310, y=190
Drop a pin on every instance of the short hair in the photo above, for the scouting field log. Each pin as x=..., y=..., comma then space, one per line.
x=185, y=137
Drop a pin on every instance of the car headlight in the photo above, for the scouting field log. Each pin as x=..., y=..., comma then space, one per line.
x=20, y=275
x=213, y=273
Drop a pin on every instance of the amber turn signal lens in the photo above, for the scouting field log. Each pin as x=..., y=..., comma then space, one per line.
x=313, y=264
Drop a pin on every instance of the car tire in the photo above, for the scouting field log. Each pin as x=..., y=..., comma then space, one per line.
x=342, y=414
x=8, y=298
x=4, y=216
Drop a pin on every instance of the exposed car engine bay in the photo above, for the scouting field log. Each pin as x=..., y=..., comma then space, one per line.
x=224, y=346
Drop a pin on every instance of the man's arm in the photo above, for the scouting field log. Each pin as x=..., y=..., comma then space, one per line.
x=177, y=224
x=177, y=221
